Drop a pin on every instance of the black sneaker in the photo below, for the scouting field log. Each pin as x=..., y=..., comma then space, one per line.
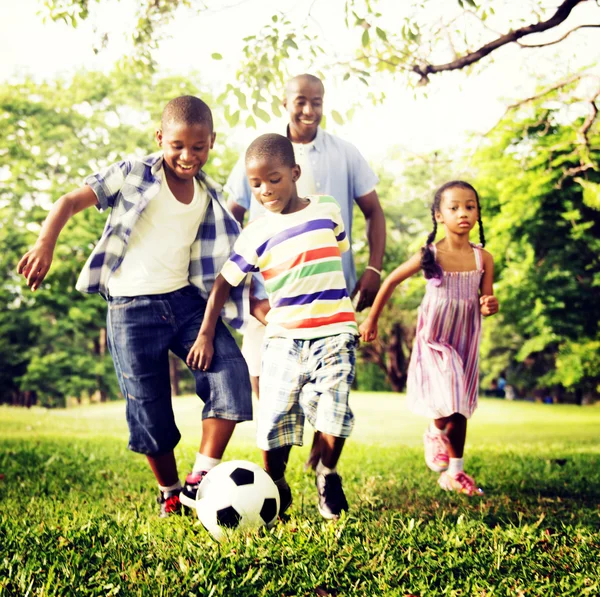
x=190, y=489
x=169, y=503
x=285, y=498
x=332, y=501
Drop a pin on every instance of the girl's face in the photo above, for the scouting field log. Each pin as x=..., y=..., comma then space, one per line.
x=458, y=210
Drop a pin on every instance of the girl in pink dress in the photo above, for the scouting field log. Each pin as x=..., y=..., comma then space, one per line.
x=443, y=375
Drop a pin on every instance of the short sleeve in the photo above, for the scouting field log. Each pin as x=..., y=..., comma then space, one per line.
x=241, y=262
x=364, y=180
x=237, y=186
x=335, y=213
x=108, y=183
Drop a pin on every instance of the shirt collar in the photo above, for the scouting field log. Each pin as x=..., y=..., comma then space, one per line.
x=318, y=141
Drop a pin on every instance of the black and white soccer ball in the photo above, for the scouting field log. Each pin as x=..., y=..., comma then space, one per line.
x=236, y=495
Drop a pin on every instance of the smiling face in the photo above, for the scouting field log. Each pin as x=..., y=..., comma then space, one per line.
x=185, y=147
x=273, y=184
x=458, y=210
x=304, y=103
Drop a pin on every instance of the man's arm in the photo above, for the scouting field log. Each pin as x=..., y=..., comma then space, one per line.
x=369, y=282
x=35, y=264
x=237, y=211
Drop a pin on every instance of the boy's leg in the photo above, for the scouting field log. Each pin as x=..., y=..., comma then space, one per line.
x=325, y=403
x=280, y=420
x=224, y=388
x=139, y=332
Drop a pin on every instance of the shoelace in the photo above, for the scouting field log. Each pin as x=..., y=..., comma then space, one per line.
x=465, y=482
x=171, y=503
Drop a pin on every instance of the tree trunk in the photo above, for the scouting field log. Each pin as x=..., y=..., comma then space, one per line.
x=100, y=351
x=396, y=361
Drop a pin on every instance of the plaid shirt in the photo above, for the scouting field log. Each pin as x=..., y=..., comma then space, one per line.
x=127, y=187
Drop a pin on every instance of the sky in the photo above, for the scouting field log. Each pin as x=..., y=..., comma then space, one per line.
x=441, y=116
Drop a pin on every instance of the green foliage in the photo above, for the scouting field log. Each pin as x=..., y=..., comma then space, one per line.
x=79, y=513
x=53, y=136
x=543, y=228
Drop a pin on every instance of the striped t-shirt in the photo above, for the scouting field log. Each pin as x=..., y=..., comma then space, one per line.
x=299, y=256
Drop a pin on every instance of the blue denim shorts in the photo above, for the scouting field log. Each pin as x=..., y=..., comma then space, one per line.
x=141, y=331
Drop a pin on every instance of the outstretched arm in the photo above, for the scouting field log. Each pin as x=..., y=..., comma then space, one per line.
x=487, y=301
x=202, y=351
x=368, y=329
x=369, y=282
x=35, y=264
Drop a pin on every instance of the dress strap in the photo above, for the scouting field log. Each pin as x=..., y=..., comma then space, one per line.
x=478, y=256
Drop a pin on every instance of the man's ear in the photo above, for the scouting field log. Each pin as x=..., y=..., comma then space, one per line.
x=159, y=137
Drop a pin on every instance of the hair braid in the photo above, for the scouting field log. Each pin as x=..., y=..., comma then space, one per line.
x=430, y=268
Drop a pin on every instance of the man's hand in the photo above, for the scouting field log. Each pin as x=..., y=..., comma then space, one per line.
x=35, y=264
x=489, y=304
x=366, y=289
x=201, y=353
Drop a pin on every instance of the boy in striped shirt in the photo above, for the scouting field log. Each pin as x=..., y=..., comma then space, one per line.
x=311, y=334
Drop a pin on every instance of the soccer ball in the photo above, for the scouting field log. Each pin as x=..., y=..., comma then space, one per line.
x=236, y=495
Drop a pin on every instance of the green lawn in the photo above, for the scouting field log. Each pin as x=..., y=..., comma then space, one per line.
x=78, y=515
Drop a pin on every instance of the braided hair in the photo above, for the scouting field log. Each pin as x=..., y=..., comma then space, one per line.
x=430, y=267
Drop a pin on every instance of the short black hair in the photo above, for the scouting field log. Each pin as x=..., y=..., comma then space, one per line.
x=272, y=146
x=311, y=79
x=187, y=109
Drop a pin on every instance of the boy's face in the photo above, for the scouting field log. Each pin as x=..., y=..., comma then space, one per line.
x=273, y=184
x=185, y=147
x=304, y=103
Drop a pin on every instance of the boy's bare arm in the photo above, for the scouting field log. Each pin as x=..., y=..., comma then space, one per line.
x=202, y=351
x=34, y=265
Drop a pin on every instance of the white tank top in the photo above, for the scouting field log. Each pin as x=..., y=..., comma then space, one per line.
x=157, y=259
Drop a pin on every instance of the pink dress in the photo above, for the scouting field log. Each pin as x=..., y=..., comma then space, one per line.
x=443, y=375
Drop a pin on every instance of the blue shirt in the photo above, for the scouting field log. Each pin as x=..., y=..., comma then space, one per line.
x=339, y=170
x=127, y=187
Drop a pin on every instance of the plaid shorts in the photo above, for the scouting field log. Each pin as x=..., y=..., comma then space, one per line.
x=305, y=378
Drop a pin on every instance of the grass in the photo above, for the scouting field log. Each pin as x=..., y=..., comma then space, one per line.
x=78, y=515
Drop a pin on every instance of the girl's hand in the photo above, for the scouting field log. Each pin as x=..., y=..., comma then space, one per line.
x=201, y=353
x=368, y=330
x=489, y=304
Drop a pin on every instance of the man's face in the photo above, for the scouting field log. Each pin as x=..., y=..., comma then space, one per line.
x=304, y=103
x=186, y=147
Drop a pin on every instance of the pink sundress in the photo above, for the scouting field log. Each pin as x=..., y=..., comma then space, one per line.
x=443, y=375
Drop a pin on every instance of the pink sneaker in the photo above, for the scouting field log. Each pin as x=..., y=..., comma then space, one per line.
x=461, y=482
x=436, y=451
x=190, y=488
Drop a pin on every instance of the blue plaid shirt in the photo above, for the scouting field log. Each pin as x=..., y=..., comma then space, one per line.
x=126, y=188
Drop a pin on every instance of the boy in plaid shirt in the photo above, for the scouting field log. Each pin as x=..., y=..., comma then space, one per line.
x=311, y=333
x=167, y=236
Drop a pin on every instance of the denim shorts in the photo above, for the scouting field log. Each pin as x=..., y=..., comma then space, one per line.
x=141, y=331
x=305, y=379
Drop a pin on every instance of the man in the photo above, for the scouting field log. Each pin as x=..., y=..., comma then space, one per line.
x=328, y=166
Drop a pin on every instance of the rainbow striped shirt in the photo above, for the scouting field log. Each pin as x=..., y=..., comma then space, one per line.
x=299, y=256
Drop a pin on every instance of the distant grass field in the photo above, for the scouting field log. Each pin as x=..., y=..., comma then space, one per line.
x=78, y=517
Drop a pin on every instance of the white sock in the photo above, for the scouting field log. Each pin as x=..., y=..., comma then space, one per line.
x=433, y=429
x=455, y=466
x=323, y=470
x=170, y=488
x=204, y=463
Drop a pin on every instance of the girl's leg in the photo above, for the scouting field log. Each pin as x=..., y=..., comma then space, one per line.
x=456, y=431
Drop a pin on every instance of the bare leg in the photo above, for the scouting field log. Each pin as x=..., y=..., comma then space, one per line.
x=456, y=432
x=315, y=452
x=331, y=448
x=164, y=468
x=275, y=461
x=216, y=434
x=254, y=382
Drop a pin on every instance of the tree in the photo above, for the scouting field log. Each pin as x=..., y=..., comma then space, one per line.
x=415, y=40
x=539, y=177
x=53, y=135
